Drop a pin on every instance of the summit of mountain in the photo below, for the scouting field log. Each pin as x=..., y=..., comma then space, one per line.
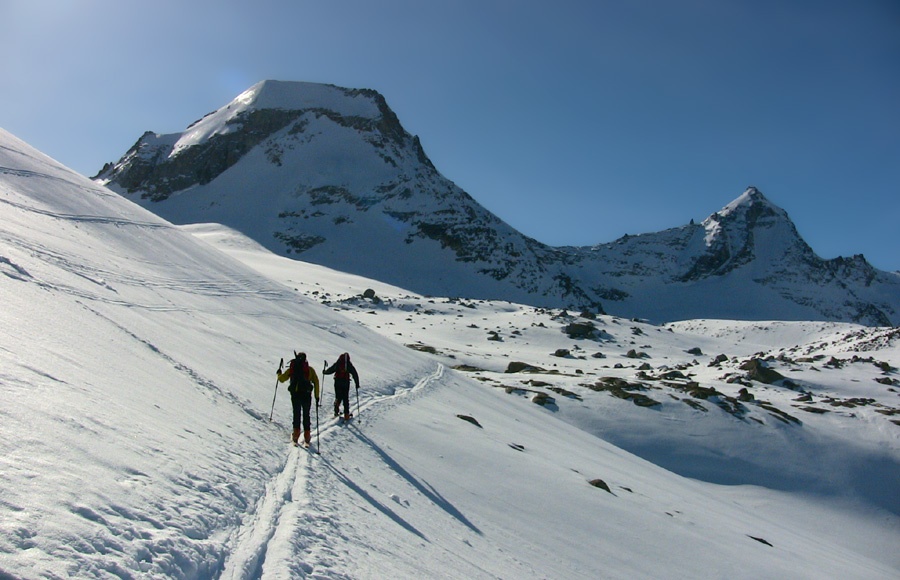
x=328, y=175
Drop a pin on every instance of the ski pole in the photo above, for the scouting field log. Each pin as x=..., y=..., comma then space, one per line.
x=318, y=447
x=325, y=366
x=280, y=365
x=357, y=401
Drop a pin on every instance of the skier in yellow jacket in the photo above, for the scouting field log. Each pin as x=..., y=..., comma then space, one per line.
x=304, y=383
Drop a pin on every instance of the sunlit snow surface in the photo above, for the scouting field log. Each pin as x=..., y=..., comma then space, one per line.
x=137, y=368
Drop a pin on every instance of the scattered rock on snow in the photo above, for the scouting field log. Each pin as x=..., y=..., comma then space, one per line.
x=779, y=414
x=470, y=420
x=761, y=541
x=537, y=383
x=543, y=399
x=599, y=483
x=757, y=371
x=580, y=330
x=566, y=393
x=673, y=375
x=422, y=348
x=624, y=390
x=468, y=368
x=718, y=360
x=695, y=405
x=836, y=363
x=883, y=366
x=521, y=367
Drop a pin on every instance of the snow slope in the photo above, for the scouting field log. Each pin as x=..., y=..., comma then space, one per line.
x=136, y=367
x=808, y=461
x=137, y=376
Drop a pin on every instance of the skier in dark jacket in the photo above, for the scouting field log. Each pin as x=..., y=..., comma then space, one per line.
x=342, y=370
x=304, y=383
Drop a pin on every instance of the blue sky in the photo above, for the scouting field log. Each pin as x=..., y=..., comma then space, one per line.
x=574, y=121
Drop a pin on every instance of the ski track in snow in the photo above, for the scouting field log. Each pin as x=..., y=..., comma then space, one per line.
x=203, y=384
x=97, y=219
x=76, y=183
x=285, y=537
x=107, y=279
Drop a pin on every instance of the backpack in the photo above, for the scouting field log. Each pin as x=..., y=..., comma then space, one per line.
x=341, y=371
x=300, y=382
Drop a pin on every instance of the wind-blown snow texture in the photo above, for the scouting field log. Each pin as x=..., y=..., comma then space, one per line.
x=329, y=175
x=136, y=377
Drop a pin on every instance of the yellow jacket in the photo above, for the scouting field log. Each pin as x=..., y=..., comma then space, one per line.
x=311, y=376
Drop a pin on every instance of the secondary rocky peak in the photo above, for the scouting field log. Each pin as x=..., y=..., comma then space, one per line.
x=747, y=220
x=753, y=194
x=750, y=205
x=748, y=229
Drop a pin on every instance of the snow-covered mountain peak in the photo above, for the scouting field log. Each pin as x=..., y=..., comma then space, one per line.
x=328, y=174
x=749, y=198
x=289, y=99
x=307, y=127
x=749, y=208
x=291, y=95
x=749, y=221
x=750, y=229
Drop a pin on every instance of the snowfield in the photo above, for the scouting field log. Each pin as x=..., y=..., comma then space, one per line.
x=137, y=375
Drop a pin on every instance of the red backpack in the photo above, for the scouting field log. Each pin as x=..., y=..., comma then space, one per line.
x=343, y=363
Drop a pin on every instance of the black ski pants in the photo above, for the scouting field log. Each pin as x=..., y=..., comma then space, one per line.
x=342, y=394
x=301, y=401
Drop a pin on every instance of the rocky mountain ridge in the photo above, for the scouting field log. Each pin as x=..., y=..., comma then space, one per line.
x=328, y=175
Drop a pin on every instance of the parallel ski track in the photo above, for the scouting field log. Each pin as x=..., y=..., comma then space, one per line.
x=106, y=280
x=263, y=546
